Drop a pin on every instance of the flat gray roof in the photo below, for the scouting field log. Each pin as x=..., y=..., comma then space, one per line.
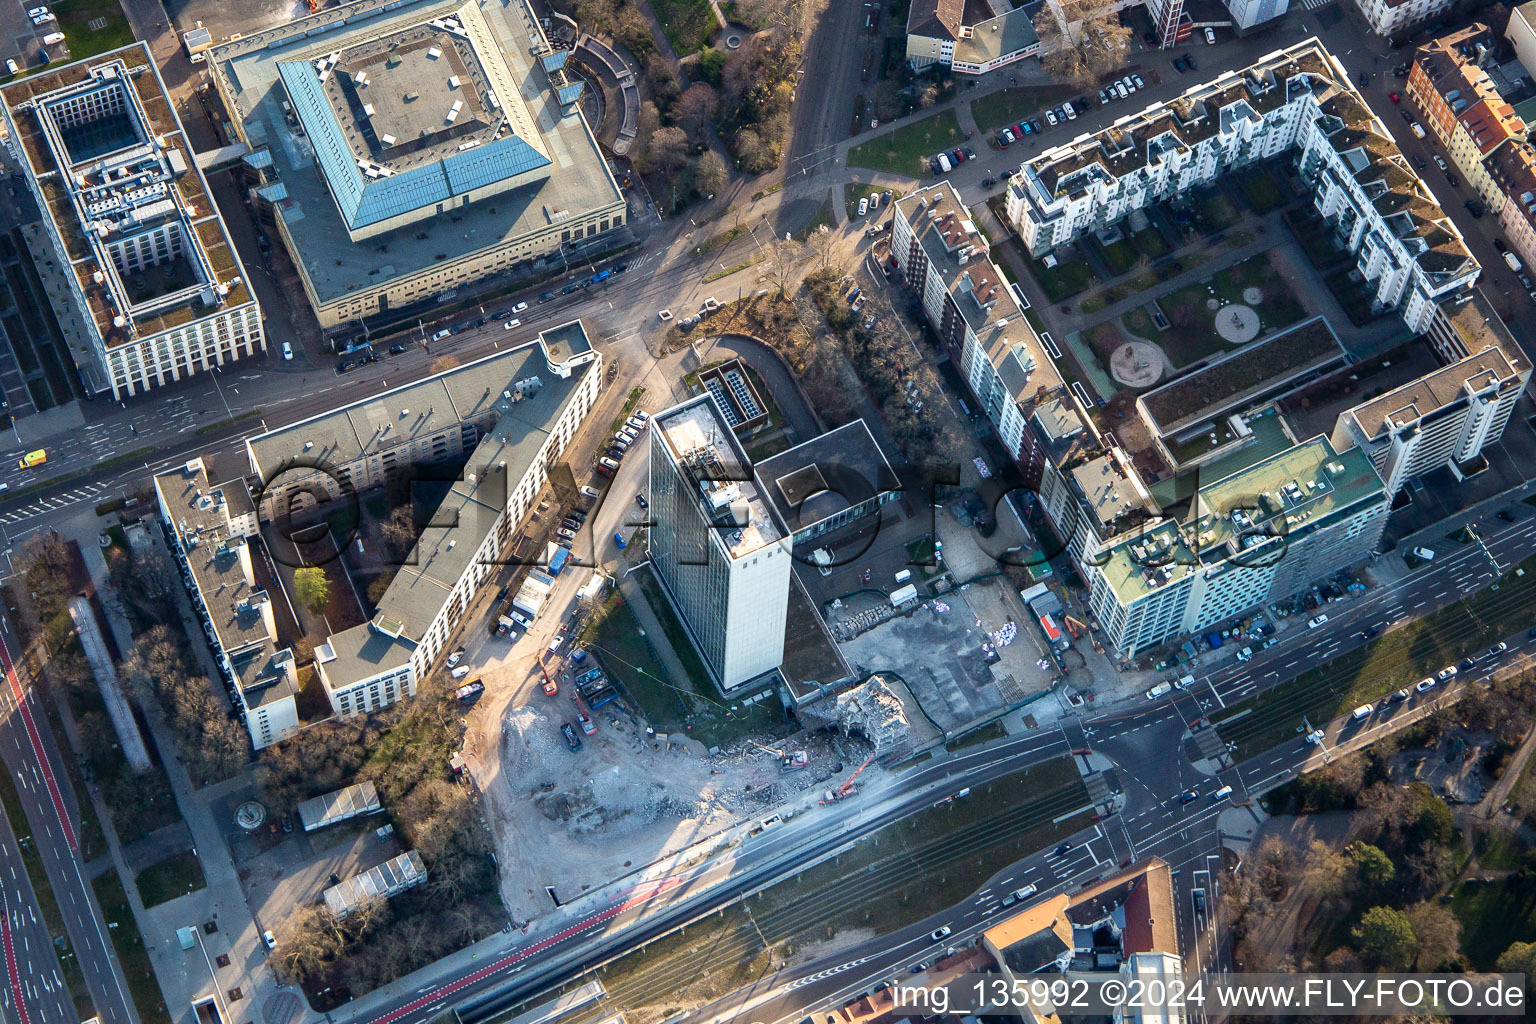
x=361, y=653
x=399, y=416
x=821, y=477
x=579, y=181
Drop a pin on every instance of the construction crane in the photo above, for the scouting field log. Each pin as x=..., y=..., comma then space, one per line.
x=847, y=788
x=787, y=761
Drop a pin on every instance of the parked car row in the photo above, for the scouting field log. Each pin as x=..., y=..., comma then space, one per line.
x=626, y=435
x=944, y=162
x=1124, y=87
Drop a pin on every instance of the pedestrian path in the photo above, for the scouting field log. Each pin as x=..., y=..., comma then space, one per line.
x=1313, y=5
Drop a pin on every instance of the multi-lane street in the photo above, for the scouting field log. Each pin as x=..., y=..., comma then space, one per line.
x=31, y=756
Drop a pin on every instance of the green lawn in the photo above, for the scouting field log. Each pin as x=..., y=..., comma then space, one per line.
x=1219, y=212
x=1121, y=255
x=175, y=876
x=1010, y=106
x=1494, y=915
x=1064, y=279
x=687, y=23
x=1397, y=659
x=906, y=150
x=131, y=955
x=1195, y=336
x=75, y=17
x=1150, y=243
x=1261, y=191
x=1139, y=322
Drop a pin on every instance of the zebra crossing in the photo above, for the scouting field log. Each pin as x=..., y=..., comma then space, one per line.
x=1313, y=5
x=53, y=502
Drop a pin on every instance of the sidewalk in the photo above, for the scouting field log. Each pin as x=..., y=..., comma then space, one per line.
x=184, y=974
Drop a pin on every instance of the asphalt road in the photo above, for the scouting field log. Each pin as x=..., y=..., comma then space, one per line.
x=30, y=754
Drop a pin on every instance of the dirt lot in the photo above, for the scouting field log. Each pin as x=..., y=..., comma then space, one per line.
x=620, y=802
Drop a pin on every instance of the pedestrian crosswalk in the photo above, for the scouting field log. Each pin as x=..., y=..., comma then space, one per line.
x=1313, y=5
x=53, y=502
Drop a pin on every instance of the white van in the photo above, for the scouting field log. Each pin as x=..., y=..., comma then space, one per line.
x=863, y=206
x=440, y=335
x=904, y=576
x=944, y=162
x=1513, y=261
x=460, y=672
x=1425, y=553
x=1363, y=711
x=1222, y=793
x=1185, y=682
x=53, y=37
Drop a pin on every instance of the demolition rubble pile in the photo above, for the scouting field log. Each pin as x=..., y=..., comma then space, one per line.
x=871, y=709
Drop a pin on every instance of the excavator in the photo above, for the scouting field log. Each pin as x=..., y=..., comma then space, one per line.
x=847, y=789
x=788, y=762
x=315, y=5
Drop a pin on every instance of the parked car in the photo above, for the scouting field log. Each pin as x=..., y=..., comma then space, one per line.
x=1424, y=685
x=640, y=500
x=618, y=539
x=1446, y=673
x=398, y=348
x=519, y=307
x=1210, y=37
x=1005, y=138
x=1140, y=83
x=1050, y=117
x=547, y=297
x=287, y=350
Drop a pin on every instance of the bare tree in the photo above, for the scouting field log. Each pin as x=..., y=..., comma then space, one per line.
x=781, y=262
x=696, y=110
x=711, y=174
x=1081, y=40
x=399, y=531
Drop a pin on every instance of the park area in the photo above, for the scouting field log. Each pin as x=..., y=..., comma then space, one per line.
x=1227, y=310
x=688, y=23
x=907, y=150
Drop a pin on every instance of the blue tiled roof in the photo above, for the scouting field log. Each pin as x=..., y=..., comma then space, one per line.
x=364, y=201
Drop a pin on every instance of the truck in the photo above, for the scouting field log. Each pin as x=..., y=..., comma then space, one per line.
x=557, y=559
x=469, y=691
x=530, y=597
x=506, y=627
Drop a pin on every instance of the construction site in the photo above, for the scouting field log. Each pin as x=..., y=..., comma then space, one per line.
x=581, y=791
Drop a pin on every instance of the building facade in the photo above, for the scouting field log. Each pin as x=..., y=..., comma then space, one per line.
x=1513, y=167
x=1444, y=419
x=1462, y=107
x=154, y=279
x=946, y=261
x=1298, y=101
x=446, y=138
x=937, y=33
x=716, y=545
x=1396, y=17
x=213, y=532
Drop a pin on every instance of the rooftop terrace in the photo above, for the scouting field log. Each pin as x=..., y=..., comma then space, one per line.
x=698, y=438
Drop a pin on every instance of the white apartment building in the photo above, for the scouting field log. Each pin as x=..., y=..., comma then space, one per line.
x=1297, y=99
x=1394, y=17
x=212, y=530
x=1261, y=534
x=944, y=259
x=1247, y=14
x=157, y=287
x=1445, y=418
x=515, y=413
x=717, y=547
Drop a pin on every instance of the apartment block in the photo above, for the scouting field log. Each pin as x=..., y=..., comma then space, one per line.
x=152, y=276
x=1396, y=17
x=511, y=415
x=1443, y=419
x=212, y=530
x=1261, y=534
x=942, y=257
x=716, y=544
x=1513, y=167
x=1250, y=14
x=1461, y=106
x=1296, y=102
